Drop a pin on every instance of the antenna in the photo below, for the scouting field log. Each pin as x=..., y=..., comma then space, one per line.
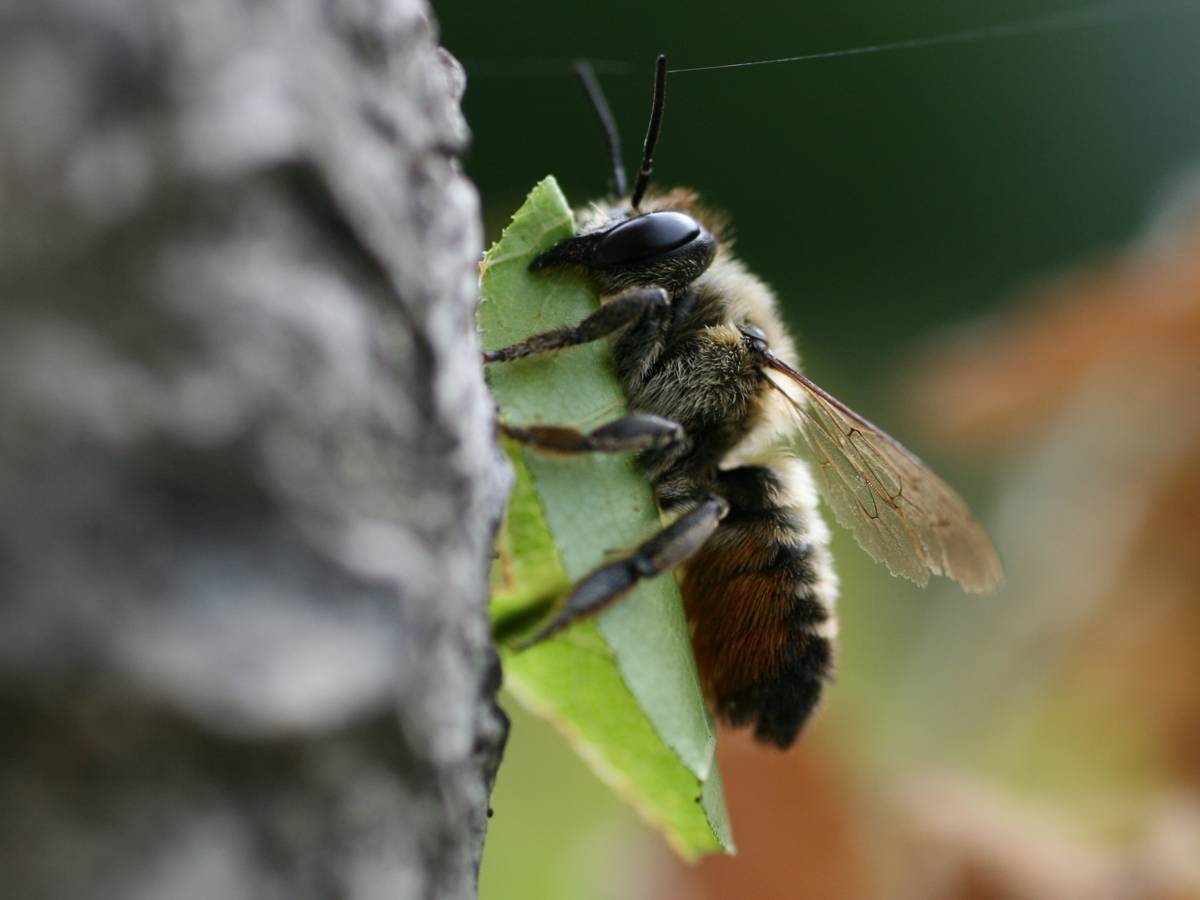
x=587, y=75
x=656, y=117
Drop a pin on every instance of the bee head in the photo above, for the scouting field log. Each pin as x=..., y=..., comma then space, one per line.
x=666, y=248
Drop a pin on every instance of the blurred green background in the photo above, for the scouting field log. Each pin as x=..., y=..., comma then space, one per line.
x=888, y=198
x=882, y=195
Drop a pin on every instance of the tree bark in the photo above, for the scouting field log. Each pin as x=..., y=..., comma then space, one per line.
x=247, y=477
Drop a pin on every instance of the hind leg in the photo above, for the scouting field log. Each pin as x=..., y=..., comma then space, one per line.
x=760, y=596
x=670, y=547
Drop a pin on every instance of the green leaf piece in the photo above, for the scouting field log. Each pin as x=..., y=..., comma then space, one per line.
x=623, y=687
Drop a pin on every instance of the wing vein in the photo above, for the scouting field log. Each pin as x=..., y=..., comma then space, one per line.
x=899, y=511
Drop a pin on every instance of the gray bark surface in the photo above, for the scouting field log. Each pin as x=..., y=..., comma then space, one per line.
x=247, y=476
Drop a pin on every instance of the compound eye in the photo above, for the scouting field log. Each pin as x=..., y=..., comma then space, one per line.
x=758, y=338
x=645, y=237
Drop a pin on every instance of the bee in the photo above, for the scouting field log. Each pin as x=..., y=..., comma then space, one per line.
x=718, y=401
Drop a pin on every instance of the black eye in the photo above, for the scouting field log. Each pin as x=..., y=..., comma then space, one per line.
x=644, y=237
x=753, y=332
x=758, y=338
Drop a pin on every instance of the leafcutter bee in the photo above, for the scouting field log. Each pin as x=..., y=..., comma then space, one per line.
x=718, y=402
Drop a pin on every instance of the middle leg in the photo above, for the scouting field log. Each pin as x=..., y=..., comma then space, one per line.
x=628, y=433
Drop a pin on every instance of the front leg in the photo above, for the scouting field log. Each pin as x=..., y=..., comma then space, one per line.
x=624, y=309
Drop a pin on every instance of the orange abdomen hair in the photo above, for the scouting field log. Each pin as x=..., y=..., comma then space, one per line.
x=759, y=597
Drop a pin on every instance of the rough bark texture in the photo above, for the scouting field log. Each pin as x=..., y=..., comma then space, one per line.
x=247, y=480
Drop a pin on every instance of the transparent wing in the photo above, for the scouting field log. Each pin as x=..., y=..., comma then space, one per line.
x=899, y=511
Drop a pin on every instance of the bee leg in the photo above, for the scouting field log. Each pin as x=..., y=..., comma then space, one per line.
x=622, y=310
x=667, y=549
x=629, y=433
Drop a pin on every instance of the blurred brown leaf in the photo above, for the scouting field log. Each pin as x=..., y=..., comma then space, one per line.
x=795, y=818
x=1094, y=390
x=968, y=842
x=1114, y=323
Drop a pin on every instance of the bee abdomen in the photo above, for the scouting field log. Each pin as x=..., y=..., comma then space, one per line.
x=760, y=596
